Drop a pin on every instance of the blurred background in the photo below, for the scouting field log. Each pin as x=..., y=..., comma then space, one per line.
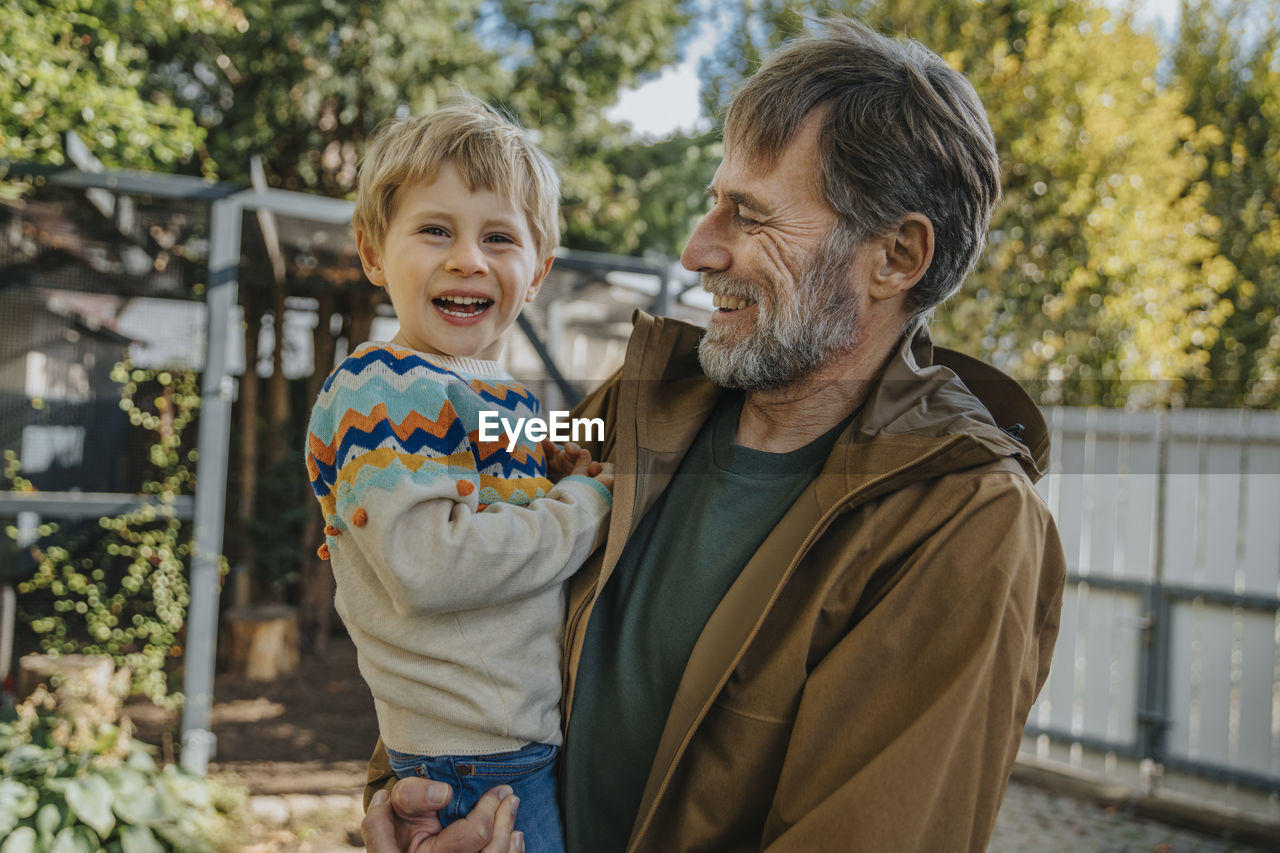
x=177, y=275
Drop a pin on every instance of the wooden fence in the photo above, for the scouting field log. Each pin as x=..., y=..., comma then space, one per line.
x=1169, y=643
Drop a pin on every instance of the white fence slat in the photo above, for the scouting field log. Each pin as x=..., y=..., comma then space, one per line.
x=1106, y=512
x=1098, y=625
x=1183, y=503
x=1260, y=561
x=1216, y=639
x=1181, y=706
x=1219, y=552
x=1257, y=747
x=1060, y=690
x=1070, y=493
x=1141, y=489
x=1127, y=638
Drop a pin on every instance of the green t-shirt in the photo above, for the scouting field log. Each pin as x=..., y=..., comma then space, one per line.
x=675, y=569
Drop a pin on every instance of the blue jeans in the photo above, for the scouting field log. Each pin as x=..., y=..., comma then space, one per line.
x=530, y=771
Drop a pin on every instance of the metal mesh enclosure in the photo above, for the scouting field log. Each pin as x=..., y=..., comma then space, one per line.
x=90, y=278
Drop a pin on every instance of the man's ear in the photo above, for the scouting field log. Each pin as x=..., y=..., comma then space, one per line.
x=536, y=284
x=370, y=258
x=906, y=253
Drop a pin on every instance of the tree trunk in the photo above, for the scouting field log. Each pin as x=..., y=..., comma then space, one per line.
x=250, y=397
x=277, y=386
x=261, y=642
x=317, y=584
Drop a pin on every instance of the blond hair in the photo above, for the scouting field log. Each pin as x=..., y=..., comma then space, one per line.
x=490, y=152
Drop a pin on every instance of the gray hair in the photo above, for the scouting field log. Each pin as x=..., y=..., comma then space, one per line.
x=902, y=132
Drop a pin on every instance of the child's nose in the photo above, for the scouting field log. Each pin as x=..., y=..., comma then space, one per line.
x=467, y=259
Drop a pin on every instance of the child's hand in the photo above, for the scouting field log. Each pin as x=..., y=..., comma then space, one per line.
x=601, y=472
x=561, y=461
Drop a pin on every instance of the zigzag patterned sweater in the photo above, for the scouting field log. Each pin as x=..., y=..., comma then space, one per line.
x=449, y=552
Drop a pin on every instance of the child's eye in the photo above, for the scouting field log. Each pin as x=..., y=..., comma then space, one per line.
x=433, y=230
x=499, y=238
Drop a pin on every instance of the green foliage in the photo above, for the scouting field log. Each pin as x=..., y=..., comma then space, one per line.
x=152, y=83
x=1101, y=273
x=71, y=779
x=1228, y=63
x=304, y=84
x=1104, y=272
x=86, y=65
x=653, y=196
x=1135, y=259
x=120, y=587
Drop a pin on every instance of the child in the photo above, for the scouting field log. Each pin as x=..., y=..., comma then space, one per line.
x=450, y=552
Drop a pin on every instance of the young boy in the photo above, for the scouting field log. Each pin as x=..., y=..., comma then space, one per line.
x=449, y=551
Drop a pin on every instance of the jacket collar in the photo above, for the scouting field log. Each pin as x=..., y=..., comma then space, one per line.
x=932, y=411
x=924, y=391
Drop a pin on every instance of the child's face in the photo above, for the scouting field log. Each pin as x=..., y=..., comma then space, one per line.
x=458, y=265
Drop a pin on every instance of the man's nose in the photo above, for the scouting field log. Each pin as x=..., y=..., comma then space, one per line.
x=467, y=259
x=706, y=250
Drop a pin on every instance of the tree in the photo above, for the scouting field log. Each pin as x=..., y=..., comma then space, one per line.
x=82, y=65
x=303, y=85
x=1102, y=271
x=1228, y=63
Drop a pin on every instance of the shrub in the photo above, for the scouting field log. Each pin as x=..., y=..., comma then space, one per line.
x=119, y=587
x=72, y=779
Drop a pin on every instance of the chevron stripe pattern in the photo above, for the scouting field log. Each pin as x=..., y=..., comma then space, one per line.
x=388, y=414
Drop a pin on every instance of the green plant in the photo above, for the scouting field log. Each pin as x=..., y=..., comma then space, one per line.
x=119, y=588
x=72, y=780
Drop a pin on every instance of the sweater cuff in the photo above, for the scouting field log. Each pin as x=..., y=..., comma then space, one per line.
x=595, y=484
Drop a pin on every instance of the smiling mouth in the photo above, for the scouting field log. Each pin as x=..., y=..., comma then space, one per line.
x=730, y=303
x=462, y=306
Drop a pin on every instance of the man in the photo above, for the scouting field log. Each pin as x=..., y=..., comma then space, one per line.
x=830, y=592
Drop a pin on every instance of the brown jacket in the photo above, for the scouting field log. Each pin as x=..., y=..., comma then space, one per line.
x=864, y=683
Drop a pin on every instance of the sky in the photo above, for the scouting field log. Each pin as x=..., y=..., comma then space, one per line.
x=670, y=102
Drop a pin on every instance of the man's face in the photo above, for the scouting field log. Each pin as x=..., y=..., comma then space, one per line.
x=779, y=263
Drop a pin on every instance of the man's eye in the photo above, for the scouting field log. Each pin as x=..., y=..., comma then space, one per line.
x=746, y=221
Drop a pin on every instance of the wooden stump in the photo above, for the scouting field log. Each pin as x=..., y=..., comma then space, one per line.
x=261, y=642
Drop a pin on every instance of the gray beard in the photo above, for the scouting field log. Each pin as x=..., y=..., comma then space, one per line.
x=791, y=337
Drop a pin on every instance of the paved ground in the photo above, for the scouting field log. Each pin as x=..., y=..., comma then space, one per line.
x=1032, y=821
x=299, y=745
x=1035, y=821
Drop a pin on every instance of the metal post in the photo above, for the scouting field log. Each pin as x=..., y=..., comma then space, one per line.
x=1153, y=660
x=662, y=302
x=572, y=396
x=198, y=742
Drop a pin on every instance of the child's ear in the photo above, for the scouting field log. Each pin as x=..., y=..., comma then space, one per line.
x=536, y=284
x=370, y=258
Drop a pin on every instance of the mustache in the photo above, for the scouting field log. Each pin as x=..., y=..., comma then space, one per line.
x=727, y=284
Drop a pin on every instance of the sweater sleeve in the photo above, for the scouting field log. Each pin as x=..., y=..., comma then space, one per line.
x=400, y=495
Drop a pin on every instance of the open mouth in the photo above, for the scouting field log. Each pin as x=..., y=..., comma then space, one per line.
x=462, y=306
x=724, y=302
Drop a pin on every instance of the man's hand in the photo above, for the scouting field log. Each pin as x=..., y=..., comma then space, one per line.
x=408, y=821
